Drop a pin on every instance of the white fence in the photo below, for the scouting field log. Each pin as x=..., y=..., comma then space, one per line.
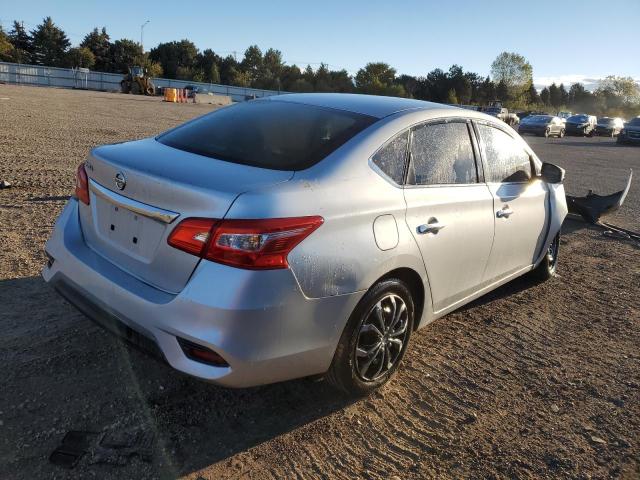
x=38, y=75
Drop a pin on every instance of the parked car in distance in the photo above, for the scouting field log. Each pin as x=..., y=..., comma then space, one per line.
x=564, y=115
x=503, y=114
x=609, y=126
x=303, y=234
x=631, y=132
x=542, y=125
x=528, y=113
x=581, y=124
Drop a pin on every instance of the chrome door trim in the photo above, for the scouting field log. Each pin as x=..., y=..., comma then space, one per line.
x=155, y=213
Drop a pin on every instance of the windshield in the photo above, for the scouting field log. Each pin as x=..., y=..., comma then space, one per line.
x=606, y=121
x=278, y=135
x=634, y=122
x=539, y=119
x=493, y=110
x=578, y=119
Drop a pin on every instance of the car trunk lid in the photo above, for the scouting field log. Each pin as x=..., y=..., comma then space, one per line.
x=139, y=192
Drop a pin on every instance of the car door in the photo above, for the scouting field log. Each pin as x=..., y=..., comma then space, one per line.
x=449, y=213
x=519, y=202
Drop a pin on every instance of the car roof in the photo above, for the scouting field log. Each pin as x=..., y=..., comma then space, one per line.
x=372, y=105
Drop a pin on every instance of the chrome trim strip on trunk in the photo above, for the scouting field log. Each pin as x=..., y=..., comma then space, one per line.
x=155, y=213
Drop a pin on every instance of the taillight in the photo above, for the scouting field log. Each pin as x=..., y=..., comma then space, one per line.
x=253, y=244
x=191, y=235
x=82, y=184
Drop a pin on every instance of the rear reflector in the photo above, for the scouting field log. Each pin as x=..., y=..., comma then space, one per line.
x=82, y=184
x=201, y=354
x=252, y=244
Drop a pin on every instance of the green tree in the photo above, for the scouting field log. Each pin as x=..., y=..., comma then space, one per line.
x=99, y=43
x=625, y=88
x=124, y=54
x=270, y=72
x=410, y=84
x=545, y=97
x=555, y=97
x=578, y=94
x=252, y=63
x=80, y=57
x=532, y=95
x=378, y=79
x=154, y=69
x=21, y=42
x=208, y=62
x=564, y=95
x=239, y=77
x=6, y=49
x=502, y=91
x=49, y=44
x=178, y=59
x=290, y=74
x=514, y=70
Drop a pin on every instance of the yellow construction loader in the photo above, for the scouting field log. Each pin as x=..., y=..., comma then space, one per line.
x=137, y=82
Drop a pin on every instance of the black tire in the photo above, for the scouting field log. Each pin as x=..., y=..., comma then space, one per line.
x=549, y=264
x=349, y=369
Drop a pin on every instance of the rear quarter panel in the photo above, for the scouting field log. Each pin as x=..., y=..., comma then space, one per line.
x=342, y=256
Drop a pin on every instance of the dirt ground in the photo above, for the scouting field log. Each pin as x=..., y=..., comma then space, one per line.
x=531, y=381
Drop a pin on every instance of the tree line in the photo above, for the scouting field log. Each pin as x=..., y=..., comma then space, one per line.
x=511, y=78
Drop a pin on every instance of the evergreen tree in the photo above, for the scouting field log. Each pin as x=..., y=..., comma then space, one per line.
x=555, y=99
x=532, y=95
x=124, y=54
x=545, y=96
x=99, y=43
x=502, y=91
x=49, y=44
x=21, y=41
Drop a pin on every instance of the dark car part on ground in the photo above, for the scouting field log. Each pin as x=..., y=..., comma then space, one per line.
x=73, y=446
x=593, y=206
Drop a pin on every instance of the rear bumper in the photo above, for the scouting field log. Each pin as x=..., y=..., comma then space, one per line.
x=535, y=131
x=258, y=321
x=577, y=130
x=627, y=139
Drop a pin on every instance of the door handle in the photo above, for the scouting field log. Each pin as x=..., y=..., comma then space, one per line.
x=433, y=227
x=505, y=212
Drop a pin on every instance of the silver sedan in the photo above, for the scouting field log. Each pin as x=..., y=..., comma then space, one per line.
x=303, y=234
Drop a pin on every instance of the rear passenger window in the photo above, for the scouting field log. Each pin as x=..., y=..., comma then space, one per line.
x=441, y=153
x=390, y=159
x=506, y=159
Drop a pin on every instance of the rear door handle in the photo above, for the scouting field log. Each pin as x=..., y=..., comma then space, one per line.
x=433, y=227
x=505, y=212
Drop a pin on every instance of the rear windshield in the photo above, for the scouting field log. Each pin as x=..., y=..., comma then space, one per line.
x=605, y=121
x=634, y=122
x=540, y=119
x=272, y=134
x=578, y=118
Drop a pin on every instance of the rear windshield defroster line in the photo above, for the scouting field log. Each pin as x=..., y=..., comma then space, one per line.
x=277, y=135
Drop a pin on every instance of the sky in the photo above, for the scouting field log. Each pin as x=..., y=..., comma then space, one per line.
x=564, y=40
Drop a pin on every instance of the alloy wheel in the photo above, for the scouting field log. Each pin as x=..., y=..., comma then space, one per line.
x=381, y=338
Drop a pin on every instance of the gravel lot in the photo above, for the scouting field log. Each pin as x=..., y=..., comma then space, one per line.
x=532, y=381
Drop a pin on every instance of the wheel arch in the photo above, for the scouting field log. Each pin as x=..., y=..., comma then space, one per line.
x=416, y=286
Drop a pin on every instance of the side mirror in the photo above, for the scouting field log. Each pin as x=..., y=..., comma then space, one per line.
x=551, y=173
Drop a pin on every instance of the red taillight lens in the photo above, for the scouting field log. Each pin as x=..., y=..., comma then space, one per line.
x=192, y=234
x=82, y=184
x=253, y=244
